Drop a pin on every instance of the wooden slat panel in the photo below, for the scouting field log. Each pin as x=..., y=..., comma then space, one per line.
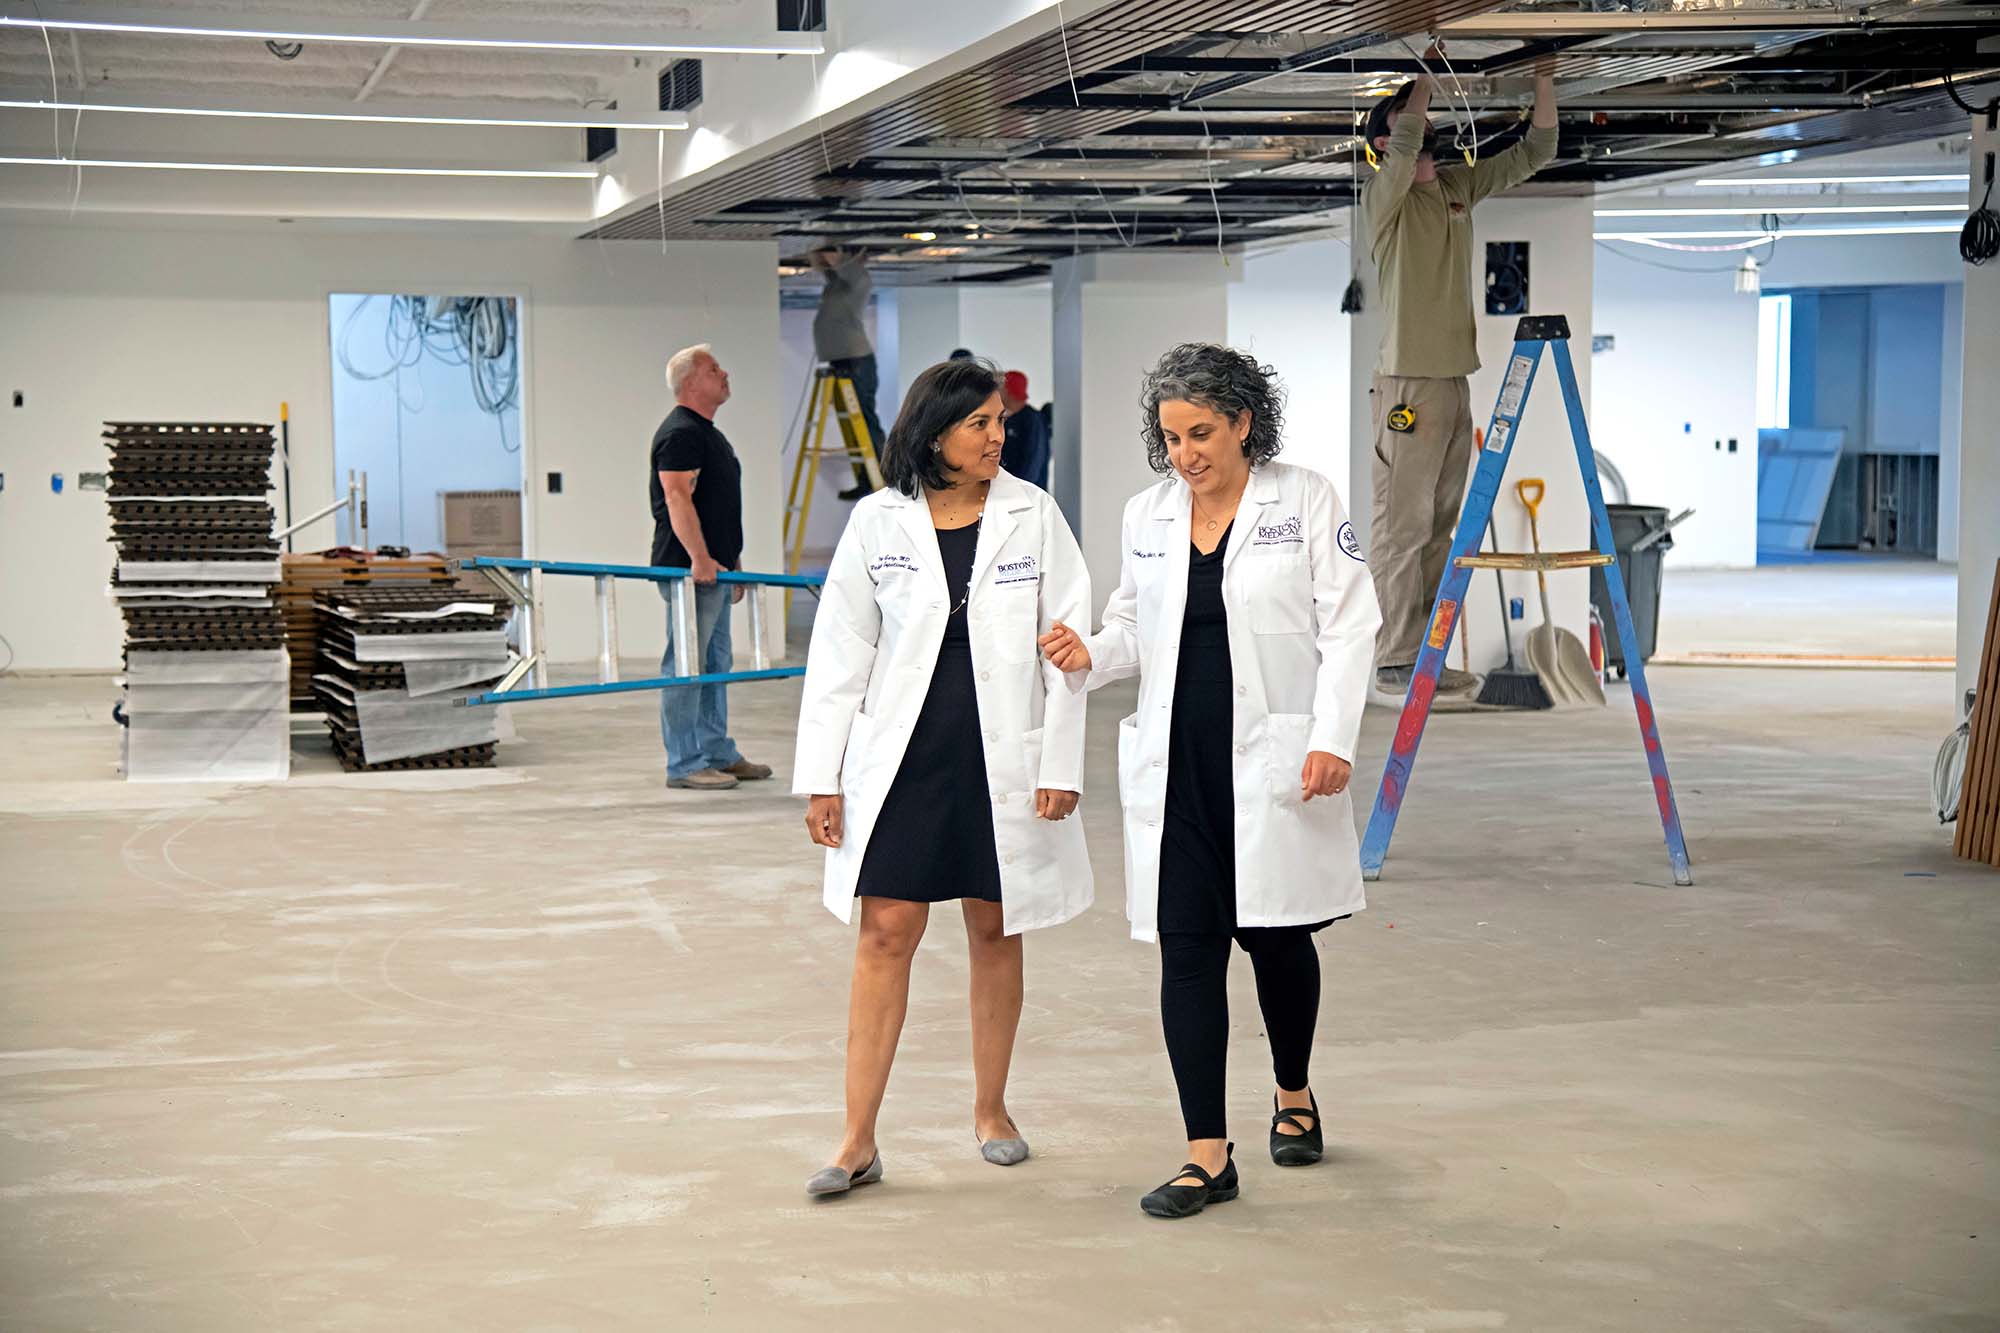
x=1978, y=835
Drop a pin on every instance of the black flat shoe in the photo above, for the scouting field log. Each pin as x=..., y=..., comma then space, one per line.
x=1303, y=1148
x=1171, y=1200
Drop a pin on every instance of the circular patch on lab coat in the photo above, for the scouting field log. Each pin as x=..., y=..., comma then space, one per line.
x=1351, y=543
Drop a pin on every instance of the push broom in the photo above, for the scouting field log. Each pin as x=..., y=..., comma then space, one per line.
x=1509, y=686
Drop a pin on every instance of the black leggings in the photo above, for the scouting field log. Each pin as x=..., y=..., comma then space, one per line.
x=1194, y=1010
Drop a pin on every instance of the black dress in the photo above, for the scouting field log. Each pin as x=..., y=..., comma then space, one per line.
x=1198, y=839
x=933, y=840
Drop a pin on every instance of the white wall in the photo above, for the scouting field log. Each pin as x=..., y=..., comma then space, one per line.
x=1009, y=326
x=1115, y=313
x=1286, y=312
x=1682, y=375
x=1979, y=452
x=106, y=323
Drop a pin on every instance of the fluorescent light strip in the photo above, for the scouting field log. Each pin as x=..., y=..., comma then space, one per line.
x=577, y=121
x=167, y=23
x=1727, y=182
x=1775, y=208
x=509, y=173
x=1907, y=229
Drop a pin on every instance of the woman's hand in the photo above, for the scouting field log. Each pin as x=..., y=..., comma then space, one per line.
x=1064, y=647
x=1054, y=805
x=1324, y=775
x=824, y=817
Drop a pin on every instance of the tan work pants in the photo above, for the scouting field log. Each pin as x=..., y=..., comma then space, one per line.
x=1419, y=486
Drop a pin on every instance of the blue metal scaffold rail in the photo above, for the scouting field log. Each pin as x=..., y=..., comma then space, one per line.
x=520, y=582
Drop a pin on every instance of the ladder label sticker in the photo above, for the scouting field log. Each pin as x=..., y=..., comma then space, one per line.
x=1441, y=623
x=1496, y=440
x=1516, y=387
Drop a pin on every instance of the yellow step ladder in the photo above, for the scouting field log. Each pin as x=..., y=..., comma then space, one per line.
x=833, y=398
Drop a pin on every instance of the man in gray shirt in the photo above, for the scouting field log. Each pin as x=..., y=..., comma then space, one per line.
x=840, y=338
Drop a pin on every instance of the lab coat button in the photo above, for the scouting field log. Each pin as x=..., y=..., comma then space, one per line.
x=1242, y=689
x=1001, y=799
x=1243, y=749
x=1007, y=860
x=986, y=675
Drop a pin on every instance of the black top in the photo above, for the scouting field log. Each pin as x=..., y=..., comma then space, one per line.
x=1198, y=840
x=933, y=839
x=687, y=441
x=1026, y=452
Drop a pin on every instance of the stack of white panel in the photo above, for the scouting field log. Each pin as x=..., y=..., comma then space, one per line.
x=207, y=689
x=215, y=716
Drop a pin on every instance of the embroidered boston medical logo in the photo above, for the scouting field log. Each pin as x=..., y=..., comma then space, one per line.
x=895, y=560
x=1017, y=571
x=1285, y=532
x=1351, y=543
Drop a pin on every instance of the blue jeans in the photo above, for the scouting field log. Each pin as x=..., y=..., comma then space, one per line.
x=694, y=719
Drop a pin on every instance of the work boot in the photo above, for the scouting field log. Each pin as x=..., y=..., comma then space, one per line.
x=1456, y=682
x=745, y=771
x=1396, y=680
x=707, y=779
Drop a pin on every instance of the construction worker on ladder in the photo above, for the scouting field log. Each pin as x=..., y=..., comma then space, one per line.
x=840, y=339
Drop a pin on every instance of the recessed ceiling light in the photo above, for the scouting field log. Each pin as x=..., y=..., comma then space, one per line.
x=317, y=169
x=1790, y=233
x=396, y=32
x=1776, y=208
x=1728, y=182
x=376, y=114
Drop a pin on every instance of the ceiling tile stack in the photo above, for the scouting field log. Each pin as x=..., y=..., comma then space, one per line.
x=206, y=696
x=392, y=663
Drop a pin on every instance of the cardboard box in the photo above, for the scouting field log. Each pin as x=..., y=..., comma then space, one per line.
x=480, y=522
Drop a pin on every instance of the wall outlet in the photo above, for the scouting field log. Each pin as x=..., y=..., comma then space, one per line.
x=55, y=483
x=1516, y=608
x=20, y=399
x=555, y=483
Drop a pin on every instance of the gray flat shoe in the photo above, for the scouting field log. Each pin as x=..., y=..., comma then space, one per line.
x=1004, y=1152
x=838, y=1180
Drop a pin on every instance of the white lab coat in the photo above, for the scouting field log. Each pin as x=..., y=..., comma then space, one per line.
x=875, y=643
x=1302, y=622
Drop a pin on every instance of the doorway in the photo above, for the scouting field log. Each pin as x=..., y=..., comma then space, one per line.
x=427, y=404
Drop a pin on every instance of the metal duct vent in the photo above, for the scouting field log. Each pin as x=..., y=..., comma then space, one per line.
x=801, y=15
x=680, y=85
x=600, y=141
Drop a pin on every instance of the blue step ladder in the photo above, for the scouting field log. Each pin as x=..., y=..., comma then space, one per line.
x=1532, y=336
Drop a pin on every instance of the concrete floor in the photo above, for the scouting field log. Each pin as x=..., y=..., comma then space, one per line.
x=551, y=1047
x=1876, y=605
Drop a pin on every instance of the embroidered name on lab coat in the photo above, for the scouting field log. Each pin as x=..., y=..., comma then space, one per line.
x=882, y=563
x=1148, y=555
x=1285, y=532
x=1017, y=571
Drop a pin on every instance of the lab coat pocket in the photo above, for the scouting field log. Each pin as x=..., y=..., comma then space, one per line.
x=1128, y=757
x=856, y=764
x=1287, y=740
x=1281, y=596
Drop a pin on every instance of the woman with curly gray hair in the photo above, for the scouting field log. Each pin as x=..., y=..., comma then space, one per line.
x=1245, y=609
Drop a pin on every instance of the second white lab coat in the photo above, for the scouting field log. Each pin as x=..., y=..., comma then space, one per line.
x=1302, y=622
x=875, y=643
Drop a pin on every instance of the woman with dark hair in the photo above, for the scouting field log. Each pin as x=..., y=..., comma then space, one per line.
x=940, y=755
x=1246, y=612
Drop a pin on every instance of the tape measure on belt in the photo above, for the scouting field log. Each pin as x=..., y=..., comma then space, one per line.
x=1402, y=418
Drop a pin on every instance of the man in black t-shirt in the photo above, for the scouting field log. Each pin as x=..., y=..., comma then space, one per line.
x=697, y=493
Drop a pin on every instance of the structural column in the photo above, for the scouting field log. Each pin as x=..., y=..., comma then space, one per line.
x=1114, y=314
x=1978, y=438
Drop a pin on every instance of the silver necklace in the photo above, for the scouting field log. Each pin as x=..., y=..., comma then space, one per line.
x=971, y=564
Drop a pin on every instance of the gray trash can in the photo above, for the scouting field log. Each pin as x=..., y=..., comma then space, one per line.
x=1631, y=524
